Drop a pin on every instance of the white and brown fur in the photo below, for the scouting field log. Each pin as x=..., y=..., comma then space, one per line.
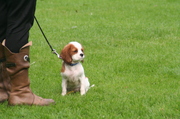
x=72, y=71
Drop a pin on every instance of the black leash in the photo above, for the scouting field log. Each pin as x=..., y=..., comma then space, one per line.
x=53, y=50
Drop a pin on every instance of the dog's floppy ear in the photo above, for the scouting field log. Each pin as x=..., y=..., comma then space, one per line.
x=65, y=54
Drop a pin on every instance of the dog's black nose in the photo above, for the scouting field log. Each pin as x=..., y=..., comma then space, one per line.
x=81, y=55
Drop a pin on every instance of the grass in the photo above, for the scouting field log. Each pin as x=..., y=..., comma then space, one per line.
x=132, y=56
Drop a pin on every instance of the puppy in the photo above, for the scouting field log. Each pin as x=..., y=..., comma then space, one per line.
x=72, y=71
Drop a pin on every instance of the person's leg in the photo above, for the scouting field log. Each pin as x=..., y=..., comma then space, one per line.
x=20, y=17
x=16, y=50
x=3, y=19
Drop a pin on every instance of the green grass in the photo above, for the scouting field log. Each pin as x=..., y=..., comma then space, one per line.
x=132, y=56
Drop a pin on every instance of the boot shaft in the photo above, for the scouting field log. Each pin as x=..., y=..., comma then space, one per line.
x=17, y=65
x=15, y=62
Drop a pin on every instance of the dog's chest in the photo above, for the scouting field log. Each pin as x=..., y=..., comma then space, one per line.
x=73, y=73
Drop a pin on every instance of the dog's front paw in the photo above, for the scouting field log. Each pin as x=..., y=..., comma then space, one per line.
x=63, y=94
x=83, y=92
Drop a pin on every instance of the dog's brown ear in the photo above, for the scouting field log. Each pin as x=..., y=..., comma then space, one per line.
x=66, y=55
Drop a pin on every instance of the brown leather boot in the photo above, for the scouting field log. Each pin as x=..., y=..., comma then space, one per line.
x=4, y=78
x=17, y=67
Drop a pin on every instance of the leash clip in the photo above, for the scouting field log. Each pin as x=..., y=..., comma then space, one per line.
x=54, y=52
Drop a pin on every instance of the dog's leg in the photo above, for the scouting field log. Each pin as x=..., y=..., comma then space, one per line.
x=87, y=84
x=82, y=90
x=64, y=87
x=84, y=85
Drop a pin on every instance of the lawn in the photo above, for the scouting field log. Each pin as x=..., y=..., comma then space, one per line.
x=132, y=52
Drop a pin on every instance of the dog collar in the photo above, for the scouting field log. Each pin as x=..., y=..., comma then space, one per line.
x=74, y=64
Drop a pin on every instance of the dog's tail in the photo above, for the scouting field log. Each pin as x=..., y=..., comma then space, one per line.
x=91, y=86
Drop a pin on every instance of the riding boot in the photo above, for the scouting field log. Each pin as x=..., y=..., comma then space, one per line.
x=4, y=78
x=17, y=65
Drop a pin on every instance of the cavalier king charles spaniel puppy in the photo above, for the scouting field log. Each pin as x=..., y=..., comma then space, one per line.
x=72, y=71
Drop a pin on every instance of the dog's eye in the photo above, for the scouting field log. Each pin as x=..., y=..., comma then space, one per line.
x=75, y=51
x=82, y=50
